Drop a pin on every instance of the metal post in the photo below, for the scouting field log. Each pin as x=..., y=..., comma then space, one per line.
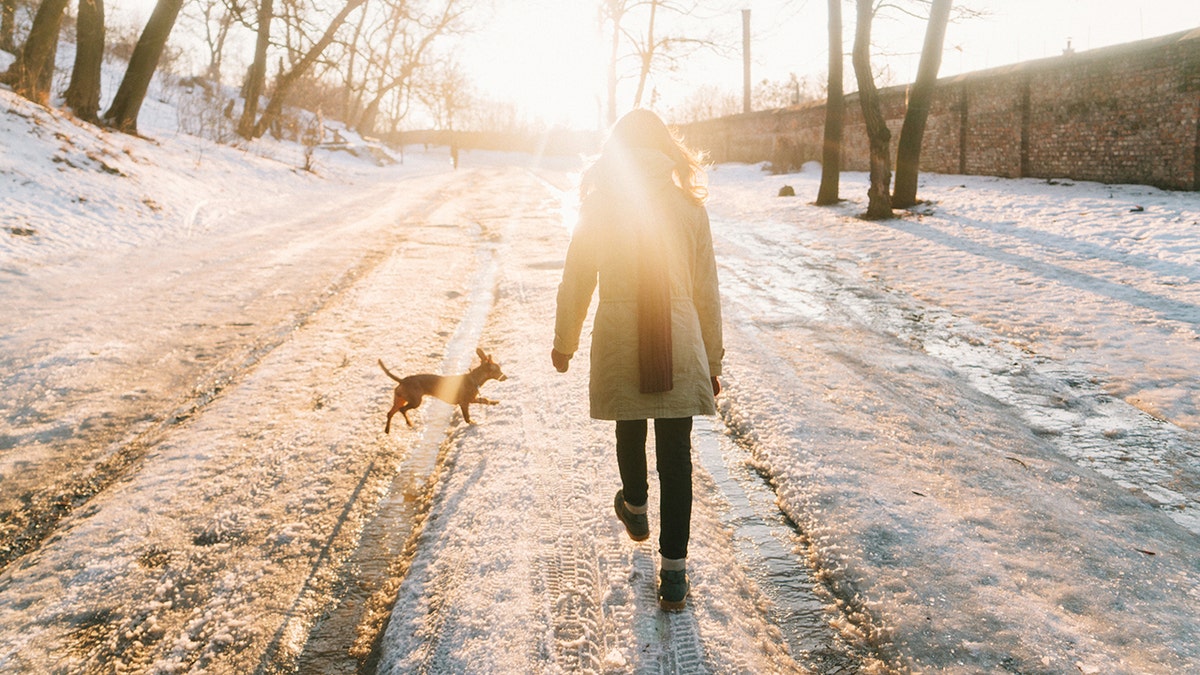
x=745, y=60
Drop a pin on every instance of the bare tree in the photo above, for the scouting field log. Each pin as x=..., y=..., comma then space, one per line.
x=613, y=12
x=286, y=80
x=645, y=53
x=636, y=33
x=257, y=75
x=409, y=50
x=920, y=97
x=879, y=194
x=831, y=152
x=706, y=102
x=496, y=116
x=387, y=72
x=83, y=94
x=8, y=25
x=31, y=74
x=214, y=19
x=446, y=93
x=127, y=103
x=771, y=94
x=377, y=43
x=651, y=46
x=352, y=96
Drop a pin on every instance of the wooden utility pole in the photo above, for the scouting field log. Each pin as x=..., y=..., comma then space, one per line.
x=745, y=60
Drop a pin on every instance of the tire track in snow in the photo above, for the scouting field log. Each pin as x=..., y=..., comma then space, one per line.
x=878, y=376
x=1062, y=402
x=539, y=472
x=767, y=544
x=360, y=617
x=46, y=508
x=231, y=513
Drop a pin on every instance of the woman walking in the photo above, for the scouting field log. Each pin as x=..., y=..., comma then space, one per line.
x=643, y=236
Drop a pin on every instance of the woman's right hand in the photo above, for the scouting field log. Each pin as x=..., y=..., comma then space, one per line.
x=560, y=360
x=716, y=386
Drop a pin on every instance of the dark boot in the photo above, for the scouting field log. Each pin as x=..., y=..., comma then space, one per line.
x=673, y=585
x=635, y=523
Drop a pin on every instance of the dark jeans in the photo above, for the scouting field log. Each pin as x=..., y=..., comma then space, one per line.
x=673, y=460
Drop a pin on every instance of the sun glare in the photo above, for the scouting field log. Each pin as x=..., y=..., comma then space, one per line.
x=545, y=58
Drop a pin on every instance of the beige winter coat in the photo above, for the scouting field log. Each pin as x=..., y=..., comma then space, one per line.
x=603, y=249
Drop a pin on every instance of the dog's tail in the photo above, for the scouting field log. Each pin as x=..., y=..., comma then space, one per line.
x=389, y=373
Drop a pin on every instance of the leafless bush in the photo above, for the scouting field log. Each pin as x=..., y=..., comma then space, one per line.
x=201, y=111
x=311, y=137
x=121, y=38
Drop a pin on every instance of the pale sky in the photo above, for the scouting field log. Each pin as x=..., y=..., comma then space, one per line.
x=546, y=55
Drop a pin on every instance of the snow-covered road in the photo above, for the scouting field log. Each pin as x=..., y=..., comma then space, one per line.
x=916, y=468
x=103, y=351
x=200, y=479
x=179, y=405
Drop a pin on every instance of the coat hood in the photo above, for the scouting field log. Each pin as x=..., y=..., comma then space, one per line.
x=632, y=171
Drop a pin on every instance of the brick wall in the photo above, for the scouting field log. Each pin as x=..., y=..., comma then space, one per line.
x=1123, y=114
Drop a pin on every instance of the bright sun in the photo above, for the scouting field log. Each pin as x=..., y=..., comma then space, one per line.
x=545, y=57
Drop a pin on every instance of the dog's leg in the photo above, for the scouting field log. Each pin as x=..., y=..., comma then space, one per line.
x=397, y=406
x=484, y=401
x=412, y=405
x=408, y=400
x=466, y=413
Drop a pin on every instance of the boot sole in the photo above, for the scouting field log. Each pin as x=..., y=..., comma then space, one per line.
x=633, y=536
x=670, y=606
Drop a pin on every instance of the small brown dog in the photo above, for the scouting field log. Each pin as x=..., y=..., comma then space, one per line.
x=460, y=390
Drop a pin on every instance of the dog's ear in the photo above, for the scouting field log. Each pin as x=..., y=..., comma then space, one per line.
x=482, y=356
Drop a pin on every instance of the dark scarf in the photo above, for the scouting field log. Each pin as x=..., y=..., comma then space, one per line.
x=653, y=317
x=641, y=180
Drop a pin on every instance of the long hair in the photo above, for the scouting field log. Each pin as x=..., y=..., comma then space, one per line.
x=639, y=153
x=642, y=129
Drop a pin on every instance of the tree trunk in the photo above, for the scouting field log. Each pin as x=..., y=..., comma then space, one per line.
x=83, y=94
x=8, y=25
x=258, y=72
x=908, y=149
x=349, y=109
x=831, y=154
x=285, y=82
x=879, y=194
x=366, y=123
x=126, y=105
x=614, y=49
x=647, y=57
x=33, y=72
x=218, y=49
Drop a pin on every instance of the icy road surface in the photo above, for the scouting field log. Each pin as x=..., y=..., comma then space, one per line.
x=923, y=462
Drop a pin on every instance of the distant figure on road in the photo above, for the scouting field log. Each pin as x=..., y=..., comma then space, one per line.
x=656, y=351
